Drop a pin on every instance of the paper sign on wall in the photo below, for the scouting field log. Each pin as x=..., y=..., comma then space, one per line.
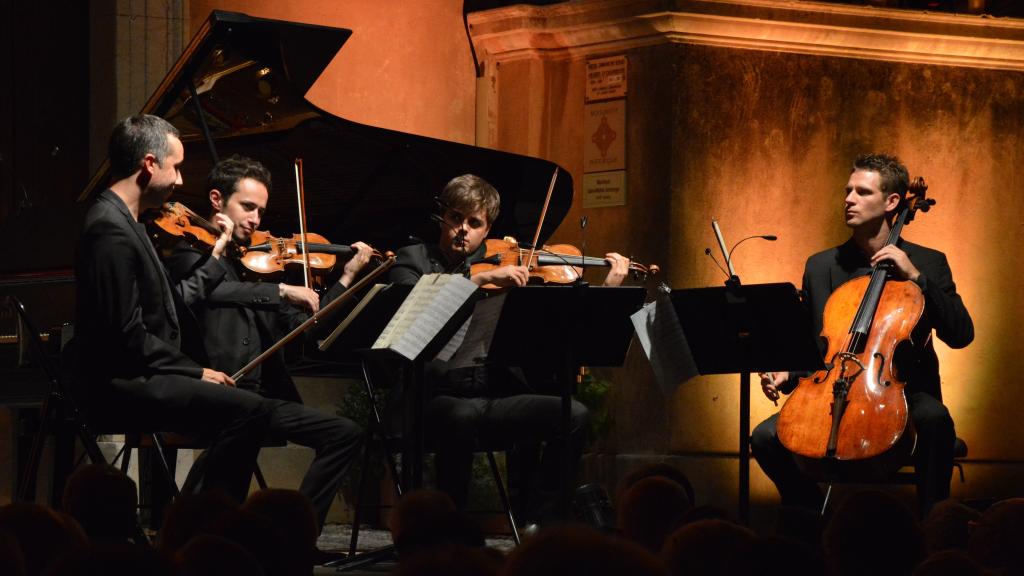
x=606, y=78
x=604, y=189
x=604, y=130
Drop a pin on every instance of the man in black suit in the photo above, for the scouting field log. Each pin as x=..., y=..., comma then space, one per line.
x=131, y=373
x=877, y=185
x=489, y=402
x=240, y=319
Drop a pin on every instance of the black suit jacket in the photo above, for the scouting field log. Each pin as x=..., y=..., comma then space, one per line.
x=415, y=260
x=944, y=310
x=126, y=320
x=240, y=319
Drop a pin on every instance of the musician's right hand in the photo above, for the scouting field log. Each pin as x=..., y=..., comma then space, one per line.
x=227, y=227
x=505, y=276
x=300, y=296
x=211, y=375
x=770, y=383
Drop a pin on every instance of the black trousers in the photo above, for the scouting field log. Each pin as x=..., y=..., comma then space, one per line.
x=335, y=440
x=232, y=422
x=456, y=427
x=933, y=457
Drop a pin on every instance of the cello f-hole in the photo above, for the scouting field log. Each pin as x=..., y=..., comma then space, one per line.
x=881, y=367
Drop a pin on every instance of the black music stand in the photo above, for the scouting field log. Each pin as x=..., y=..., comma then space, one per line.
x=564, y=328
x=744, y=329
x=364, y=329
x=356, y=341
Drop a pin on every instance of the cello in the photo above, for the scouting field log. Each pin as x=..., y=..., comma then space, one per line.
x=855, y=410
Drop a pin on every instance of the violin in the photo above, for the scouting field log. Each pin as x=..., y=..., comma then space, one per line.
x=269, y=257
x=557, y=264
x=266, y=258
x=175, y=222
x=855, y=410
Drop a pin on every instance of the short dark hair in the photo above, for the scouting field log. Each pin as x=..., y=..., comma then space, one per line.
x=227, y=173
x=893, y=174
x=469, y=193
x=133, y=138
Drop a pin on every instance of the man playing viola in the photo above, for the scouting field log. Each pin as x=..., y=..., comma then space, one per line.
x=497, y=403
x=877, y=185
x=130, y=373
x=240, y=319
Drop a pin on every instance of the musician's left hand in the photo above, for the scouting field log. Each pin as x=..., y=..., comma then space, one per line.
x=618, y=271
x=356, y=263
x=903, y=268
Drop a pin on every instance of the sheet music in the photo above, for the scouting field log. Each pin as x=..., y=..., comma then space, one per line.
x=430, y=305
x=453, y=344
x=477, y=340
x=661, y=335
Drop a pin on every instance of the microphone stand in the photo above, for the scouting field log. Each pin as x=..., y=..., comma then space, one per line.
x=735, y=299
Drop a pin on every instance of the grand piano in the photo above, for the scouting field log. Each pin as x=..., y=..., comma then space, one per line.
x=239, y=88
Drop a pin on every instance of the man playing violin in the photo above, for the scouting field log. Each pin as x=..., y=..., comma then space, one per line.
x=498, y=403
x=240, y=319
x=877, y=185
x=131, y=374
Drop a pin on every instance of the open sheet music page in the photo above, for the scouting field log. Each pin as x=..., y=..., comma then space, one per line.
x=454, y=342
x=477, y=340
x=430, y=305
x=661, y=335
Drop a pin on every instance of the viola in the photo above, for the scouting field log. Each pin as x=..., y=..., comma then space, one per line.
x=557, y=263
x=855, y=410
x=176, y=222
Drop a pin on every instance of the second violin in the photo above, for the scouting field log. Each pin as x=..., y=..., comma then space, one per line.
x=269, y=257
x=558, y=263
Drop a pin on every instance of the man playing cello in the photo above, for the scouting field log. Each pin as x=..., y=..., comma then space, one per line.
x=877, y=185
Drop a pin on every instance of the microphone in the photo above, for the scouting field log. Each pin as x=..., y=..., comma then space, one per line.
x=583, y=233
x=728, y=255
x=460, y=233
x=707, y=251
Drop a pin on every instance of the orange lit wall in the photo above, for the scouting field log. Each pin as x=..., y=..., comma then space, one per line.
x=756, y=123
x=406, y=67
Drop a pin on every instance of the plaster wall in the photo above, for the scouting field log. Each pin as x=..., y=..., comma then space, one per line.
x=760, y=135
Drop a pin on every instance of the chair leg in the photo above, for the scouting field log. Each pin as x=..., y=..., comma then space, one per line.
x=503, y=496
x=158, y=447
x=28, y=479
x=358, y=505
x=260, y=480
x=126, y=458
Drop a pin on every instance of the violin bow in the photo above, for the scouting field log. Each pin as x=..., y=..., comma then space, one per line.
x=302, y=220
x=543, y=214
x=333, y=305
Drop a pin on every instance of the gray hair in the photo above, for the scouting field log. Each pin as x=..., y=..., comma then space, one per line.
x=133, y=138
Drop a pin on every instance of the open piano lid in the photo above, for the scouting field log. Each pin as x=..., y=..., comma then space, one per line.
x=361, y=182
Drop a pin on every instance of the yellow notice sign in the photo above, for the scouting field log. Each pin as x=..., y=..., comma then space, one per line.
x=604, y=132
x=604, y=189
x=606, y=78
